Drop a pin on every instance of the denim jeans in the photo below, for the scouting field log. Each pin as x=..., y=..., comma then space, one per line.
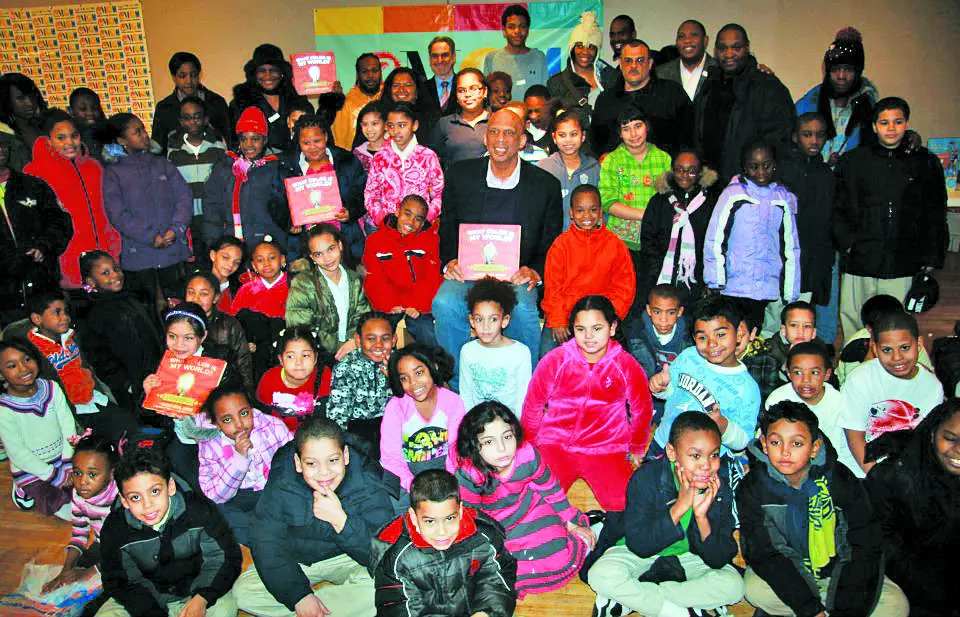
x=420, y=328
x=450, y=313
x=827, y=313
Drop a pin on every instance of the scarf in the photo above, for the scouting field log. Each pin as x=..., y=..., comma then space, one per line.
x=241, y=166
x=821, y=529
x=681, y=231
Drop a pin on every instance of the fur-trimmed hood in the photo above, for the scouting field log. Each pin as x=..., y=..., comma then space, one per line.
x=708, y=178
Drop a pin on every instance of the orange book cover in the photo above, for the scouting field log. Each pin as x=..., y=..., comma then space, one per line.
x=184, y=384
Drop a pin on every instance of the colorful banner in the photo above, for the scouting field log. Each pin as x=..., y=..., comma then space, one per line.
x=948, y=149
x=100, y=46
x=399, y=34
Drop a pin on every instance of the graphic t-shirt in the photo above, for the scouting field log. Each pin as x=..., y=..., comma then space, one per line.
x=877, y=402
x=499, y=374
x=424, y=442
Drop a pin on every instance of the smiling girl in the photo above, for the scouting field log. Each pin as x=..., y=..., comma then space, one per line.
x=569, y=164
x=460, y=136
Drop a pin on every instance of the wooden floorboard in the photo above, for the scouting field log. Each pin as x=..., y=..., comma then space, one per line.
x=26, y=536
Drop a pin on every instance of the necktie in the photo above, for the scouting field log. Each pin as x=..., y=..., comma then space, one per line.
x=444, y=93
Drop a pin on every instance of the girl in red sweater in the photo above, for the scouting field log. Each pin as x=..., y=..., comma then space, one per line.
x=402, y=259
x=261, y=303
x=293, y=391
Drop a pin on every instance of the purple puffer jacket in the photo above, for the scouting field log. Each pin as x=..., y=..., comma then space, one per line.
x=752, y=249
x=145, y=195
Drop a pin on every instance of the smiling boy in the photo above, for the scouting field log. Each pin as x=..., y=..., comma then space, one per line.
x=441, y=559
x=167, y=550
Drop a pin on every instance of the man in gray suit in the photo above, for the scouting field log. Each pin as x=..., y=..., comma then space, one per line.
x=691, y=68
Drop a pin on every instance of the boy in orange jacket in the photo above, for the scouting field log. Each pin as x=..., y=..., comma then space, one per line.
x=586, y=259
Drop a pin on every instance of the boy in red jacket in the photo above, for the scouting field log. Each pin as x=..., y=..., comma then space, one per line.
x=402, y=260
x=584, y=260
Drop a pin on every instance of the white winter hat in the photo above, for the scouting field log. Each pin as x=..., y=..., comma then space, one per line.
x=587, y=31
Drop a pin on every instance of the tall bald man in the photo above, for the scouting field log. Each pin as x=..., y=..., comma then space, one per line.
x=499, y=189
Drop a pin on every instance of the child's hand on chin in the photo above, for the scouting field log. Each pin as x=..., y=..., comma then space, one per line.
x=310, y=606
x=242, y=443
x=327, y=508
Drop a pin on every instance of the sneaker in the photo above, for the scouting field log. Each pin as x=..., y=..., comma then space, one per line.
x=605, y=607
x=21, y=500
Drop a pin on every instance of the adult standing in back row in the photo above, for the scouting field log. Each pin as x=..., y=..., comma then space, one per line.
x=741, y=104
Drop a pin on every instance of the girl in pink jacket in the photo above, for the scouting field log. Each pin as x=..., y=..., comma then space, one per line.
x=400, y=168
x=420, y=423
x=588, y=407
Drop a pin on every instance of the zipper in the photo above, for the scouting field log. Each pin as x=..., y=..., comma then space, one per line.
x=83, y=185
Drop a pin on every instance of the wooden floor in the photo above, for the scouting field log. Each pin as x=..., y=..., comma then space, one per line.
x=26, y=536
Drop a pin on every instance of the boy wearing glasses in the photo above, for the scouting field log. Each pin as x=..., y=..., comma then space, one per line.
x=194, y=148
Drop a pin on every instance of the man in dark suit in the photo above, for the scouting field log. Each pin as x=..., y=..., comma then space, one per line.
x=499, y=189
x=441, y=89
x=690, y=70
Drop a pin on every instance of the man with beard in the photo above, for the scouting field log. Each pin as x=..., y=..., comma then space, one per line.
x=689, y=70
x=366, y=89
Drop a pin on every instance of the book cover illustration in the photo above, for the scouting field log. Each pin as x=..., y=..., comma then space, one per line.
x=314, y=198
x=314, y=72
x=184, y=384
x=489, y=250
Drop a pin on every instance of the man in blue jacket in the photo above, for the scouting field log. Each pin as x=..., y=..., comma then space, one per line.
x=315, y=521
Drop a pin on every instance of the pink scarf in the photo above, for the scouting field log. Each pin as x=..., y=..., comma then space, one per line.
x=683, y=231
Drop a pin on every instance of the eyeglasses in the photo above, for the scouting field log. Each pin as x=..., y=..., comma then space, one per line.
x=471, y=90
x=685, y=171
x=191, y=117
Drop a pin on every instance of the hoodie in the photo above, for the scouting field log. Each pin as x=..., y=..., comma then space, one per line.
x=774, y=522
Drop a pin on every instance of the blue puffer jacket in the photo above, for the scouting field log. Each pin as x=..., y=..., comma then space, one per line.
x=861, y=104
x=752, y=249
x=145, y=195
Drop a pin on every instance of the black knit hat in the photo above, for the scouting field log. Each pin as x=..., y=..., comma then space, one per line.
x=847, y=48
x=267, y=53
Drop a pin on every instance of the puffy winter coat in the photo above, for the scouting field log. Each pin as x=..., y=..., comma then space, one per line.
x=600, y=408
x=402, y=270
x=310, y=303
x=145, y=195
x=351, y=177
x=752, y=249
x=78, y=185
x=413, y=579
x=890, y=215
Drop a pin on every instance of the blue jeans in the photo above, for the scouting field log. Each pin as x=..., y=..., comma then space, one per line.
x=450, y=313
x=827, y=313
x=420, y=328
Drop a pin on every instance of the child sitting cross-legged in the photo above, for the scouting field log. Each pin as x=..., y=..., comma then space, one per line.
x=766, y=357
x=493, y=367
x=167, y=550
x=587, y=258
x=503, y=475
x=672, y=547
x=235, y=461
x=807, y=532
x=320, y=508
x=441, y=559
x=663, y=335
x=809, y=368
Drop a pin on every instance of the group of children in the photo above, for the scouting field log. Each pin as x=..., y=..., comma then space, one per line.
x=418, y=483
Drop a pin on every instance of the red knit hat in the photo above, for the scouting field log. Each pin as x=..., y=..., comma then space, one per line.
x=252, y=120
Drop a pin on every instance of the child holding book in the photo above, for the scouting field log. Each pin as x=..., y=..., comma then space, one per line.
x=502, y=475
x=402, y=260
x=493, y=367
x=35, y=424
x=439, y=558
x=568, y=276
x=235, y=462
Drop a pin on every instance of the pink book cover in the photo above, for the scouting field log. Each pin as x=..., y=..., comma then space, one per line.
x=314, y=198
x=314, y=72
x=185, y=384
x=489, y=250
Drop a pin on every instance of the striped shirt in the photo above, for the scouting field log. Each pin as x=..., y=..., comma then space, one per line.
x=195, y=162
x=224, y=471
x=534, y=510
x=89, y=514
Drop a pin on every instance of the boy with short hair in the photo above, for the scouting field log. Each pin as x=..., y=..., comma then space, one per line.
x=537, y=100
x=809, y=368
x=891, y=392
x=493, y=367
x=313, y=523
x=527, y=66
x=766, y=358
x=167, y=550
x=663, y=335
x=890, y=215
x=672, y=548
x=709, y=378
x=806, y=528
x=584, y=260
x=442, y=559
